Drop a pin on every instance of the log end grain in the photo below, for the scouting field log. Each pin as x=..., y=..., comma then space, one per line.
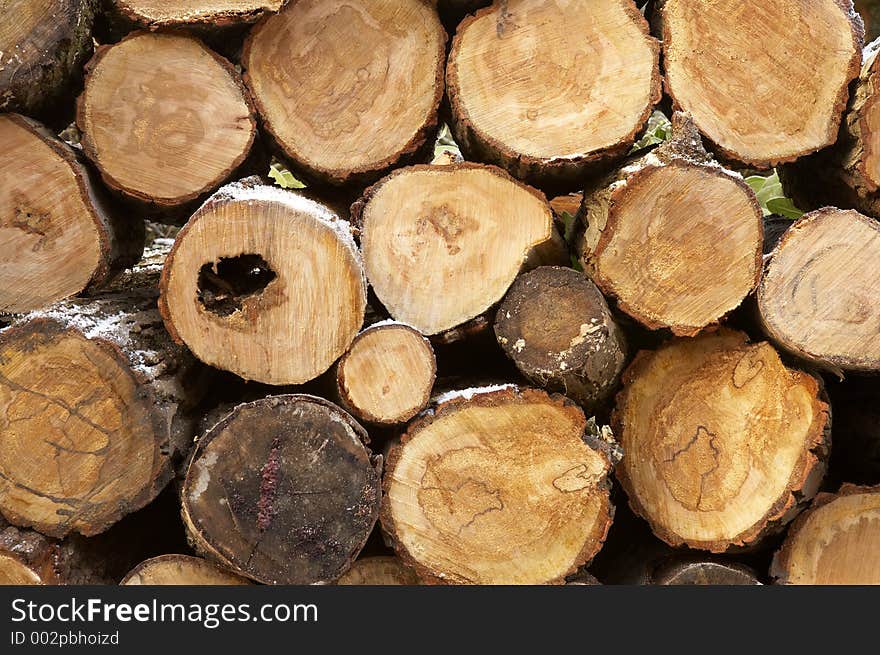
x=722, y=442
x=379, y=571
x=283, y=491
x=498, y=487
x=180, y=570
x=348, y=89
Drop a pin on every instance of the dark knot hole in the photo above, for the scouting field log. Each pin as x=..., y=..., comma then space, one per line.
x=224, y=284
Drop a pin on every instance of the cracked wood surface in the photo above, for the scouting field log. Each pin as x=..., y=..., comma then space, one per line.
x=722, y=442
x=348, y=89
x=500, y=487
x=283, y=491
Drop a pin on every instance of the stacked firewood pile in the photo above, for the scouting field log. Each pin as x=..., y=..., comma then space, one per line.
x=262, y=325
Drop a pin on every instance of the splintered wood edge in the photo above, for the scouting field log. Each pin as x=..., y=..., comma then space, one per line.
x=840, y=104
x=592, y=545
x=340, y=177
x=223, y=18
x=123, y=505
x=509, y=155
x=780, y=567
x=811, y=461
x=343, y=387
x=201, y=542
x=135, y=576
x=80, y=172
x=831, y=363
x=89, y=147
x=617, y=194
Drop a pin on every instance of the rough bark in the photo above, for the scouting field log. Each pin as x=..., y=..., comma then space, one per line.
x=767, y=83
x=528, y=82
x=181, y=570
x=188, y=14
x=96, y=409
x=43, y=44
x=499, y=486
x=387, y=375
x=264, y=283
x=348, y=90
x=673, y=236
x=425, y=232
x=164, y=119
x=59, y=233
x=723, y=443
x=283, y=491
x=556, y=327
x=819, y=298
x=834, y=542
x=379, y=571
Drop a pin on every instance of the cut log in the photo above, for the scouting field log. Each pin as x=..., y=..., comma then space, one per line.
x=695, y=571
x=264, y=283
x=556, y=327
x=502, y=486
x=58, y=233
x=834, y=542
x=819, y=298
x=95, y=410
x=43, y=44
x=426, y=232
x=348, y=89
x=765, y=82
x=387, y=375
x=847, y=175
x=283, y=491
x=164, y=118
x=673, y=236
x=529, y=83
x=181, y=570
x=379, y=571
x=723, y=443
x=155, y=14
x=583, y=579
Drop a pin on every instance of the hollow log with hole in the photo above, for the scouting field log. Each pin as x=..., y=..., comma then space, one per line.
x=283, y=491
x=817, y=299
x=59, y=233
x=676, y=238
x=96, y=410
x=164, y=119
x=181, y=570
x=766, y=83
x=348, y=89
x=556, y=327
x=387, y=375
x=43, y=45
x=493, y=473
x=724, y=444
x=425, y=232
x=264, y=283
x=383, y=571
x=528, y=84
x=834, y=542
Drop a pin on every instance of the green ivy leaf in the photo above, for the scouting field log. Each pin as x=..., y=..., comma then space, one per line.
x=771, y=196
x=784, y=207
x=284, y=178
